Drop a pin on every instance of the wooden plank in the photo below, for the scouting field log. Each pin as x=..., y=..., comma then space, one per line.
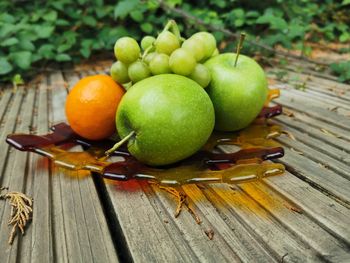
x=318, y=133
x=42, y=246
x=293, y=218
x=317, y=83
x=261, y=224
x=305, y=67
x=316, y=112
x=329, y=182
x=318, y=151
x=6, y=95
x=10, y=120
x=317, y=96
x=317, y=124
x=327, y=212
x=302, y=97
x=78, y=200
x=146, y=233
x=233, y=241
x=13, y=176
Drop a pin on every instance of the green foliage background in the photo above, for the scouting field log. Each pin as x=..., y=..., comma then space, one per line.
x=34, y=33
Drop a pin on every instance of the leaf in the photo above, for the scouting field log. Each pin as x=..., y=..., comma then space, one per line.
x=26, y=45
x=44, y=31
x=9, y=42
x=87, y=42
x=137, y=15
x=89, y=20
x=218, y=35
x=273, y=20
x=85, y=51
x=252, y=14
x=344, y=37
x=50, y=16
x=17, y=79
x=5, y=66
x=59, y=5
x=28, y=35
x=63, y=57
x=178, y=2
x=123, y=8
x=239, y=12
x=7, y=18
x=147, y=27
x=22, y=59
x=36, y=57
x=63, y=47
x=219, y=3
x=101, y=12
x=296, y=30
x=46, y=51
x=6, y=29
x=239, y=22
x=62, y=22
x=342, y=70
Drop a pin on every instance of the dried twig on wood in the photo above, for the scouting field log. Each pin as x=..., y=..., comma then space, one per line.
x=181, y=199
x=21, y=211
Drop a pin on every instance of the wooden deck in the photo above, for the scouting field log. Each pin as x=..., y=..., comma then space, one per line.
x=302, y=216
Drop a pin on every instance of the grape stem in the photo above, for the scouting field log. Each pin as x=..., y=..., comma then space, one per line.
x=120, y=143
x=145, y=53
x=239, y=46
x=173, y=27
x=126, y=86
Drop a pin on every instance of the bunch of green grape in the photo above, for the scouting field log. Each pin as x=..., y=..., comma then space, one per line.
x=168, y=53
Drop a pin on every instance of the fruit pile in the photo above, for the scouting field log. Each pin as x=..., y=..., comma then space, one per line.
x=168, y=53
x=166, y=115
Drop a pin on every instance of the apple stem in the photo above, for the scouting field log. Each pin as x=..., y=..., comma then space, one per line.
x=120, y=143
x=239, y=46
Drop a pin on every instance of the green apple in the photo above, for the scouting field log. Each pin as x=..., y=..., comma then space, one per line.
x=237, y=92
x=167, y=118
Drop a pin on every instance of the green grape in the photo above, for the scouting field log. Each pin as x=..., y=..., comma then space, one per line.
x=119, y=72
x=160, y=64
x=138, y=71
x=166, y=43
x=126, y=50
x=194, y=47
x=149, y=57
x=182, y=62
x=208, y=40
x=147, y=41
x=201, y=75
x=215, y=53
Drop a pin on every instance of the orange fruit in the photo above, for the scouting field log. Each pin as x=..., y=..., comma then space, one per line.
x=91, y=106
